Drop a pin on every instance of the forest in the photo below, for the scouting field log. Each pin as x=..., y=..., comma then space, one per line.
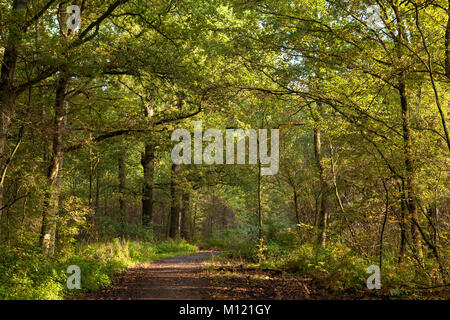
x=290, y=139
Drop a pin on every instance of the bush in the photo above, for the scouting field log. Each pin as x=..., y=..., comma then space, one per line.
x=214, y=243
x=175, y=247
x=25, y=273
x=335, y=266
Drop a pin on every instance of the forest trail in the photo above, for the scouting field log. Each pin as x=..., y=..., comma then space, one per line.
x=175, y=278
x=187, y=278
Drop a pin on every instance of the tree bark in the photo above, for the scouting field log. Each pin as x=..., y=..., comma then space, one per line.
x=147, y=161
x=185, y=216
x=97, y=202
x=447, y=43
x=323, y=212
x=122, y=185
x=8, y=93
x=260, y=220
x=383, y=226
x=409, y=188
x=175, y=214
x=410, y=192
x=50, y=208
x=260, y=217
x=297, y=213
x=402, y=249
x=194, y=222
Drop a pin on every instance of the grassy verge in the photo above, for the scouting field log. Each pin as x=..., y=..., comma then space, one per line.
x=27, y=274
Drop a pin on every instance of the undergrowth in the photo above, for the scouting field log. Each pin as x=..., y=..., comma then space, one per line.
x=336, y=267
x=25, y=273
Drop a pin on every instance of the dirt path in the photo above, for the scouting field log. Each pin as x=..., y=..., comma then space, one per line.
x=186, y=278
x=177, y=278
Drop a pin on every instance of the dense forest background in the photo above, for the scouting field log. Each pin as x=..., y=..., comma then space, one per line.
x=87, y=116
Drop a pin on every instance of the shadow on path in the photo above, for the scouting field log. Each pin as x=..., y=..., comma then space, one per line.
x=175, y=278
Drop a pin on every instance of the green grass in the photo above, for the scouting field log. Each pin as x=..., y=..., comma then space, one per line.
x=27, y=274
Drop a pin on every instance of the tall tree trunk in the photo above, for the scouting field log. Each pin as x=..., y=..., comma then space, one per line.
x=91, y=176
x=194, y=222
x=8, y=93
x=447, y=43
x=411, y=198
x=50, y=210
x=297, y=213
x=175, y=214
x=185, y=216
x=97, y=191
x=58, y=240
x=122, y=186
x=97, y=201
x=148, y=163
x=410, y=192
x=323, y=212
x=402, y=249
x=260, y=220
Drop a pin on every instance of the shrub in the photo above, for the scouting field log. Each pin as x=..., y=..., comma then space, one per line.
x=335, y=266
x=25, y=273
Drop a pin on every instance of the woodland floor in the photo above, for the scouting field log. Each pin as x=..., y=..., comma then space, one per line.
x=187, y=278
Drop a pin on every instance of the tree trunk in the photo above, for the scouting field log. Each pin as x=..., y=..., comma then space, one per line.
x=297, y=213
x=8, y=93
x=97, y=191
x=91, y=174
x=194, y=222
x=409, y=188
x=147, y=161
x=185, y=216
x=50, y=210
x=97, y=202
x=411, y=198
x=122, y=186
x=175, y=214
x=323, y=213
x=402, y=249
x=260, y=221
x=447, y=43
x=260, y=218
